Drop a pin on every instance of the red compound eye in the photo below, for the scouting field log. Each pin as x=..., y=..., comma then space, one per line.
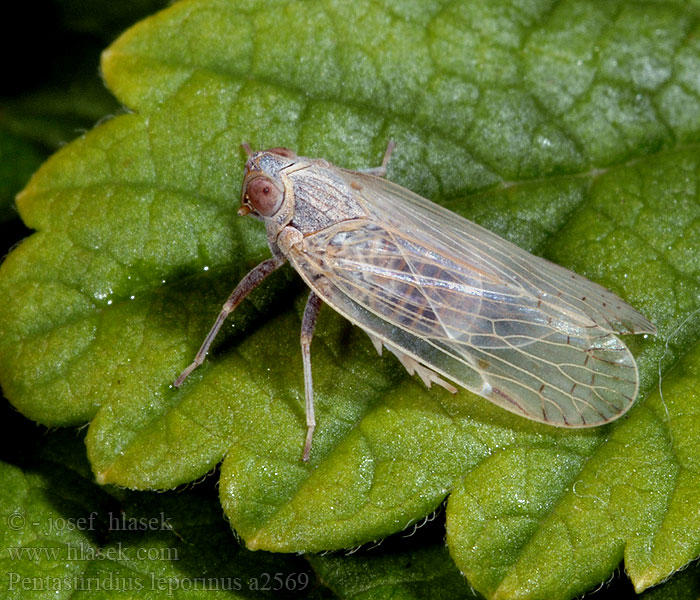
x=264, y=196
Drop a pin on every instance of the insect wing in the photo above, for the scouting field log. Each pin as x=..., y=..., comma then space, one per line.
x=559, y=291
x=527, y=334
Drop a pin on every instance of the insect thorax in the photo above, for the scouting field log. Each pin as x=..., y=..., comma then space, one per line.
x=321, y=199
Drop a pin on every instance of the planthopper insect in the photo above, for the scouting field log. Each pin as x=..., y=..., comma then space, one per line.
x=450, y=299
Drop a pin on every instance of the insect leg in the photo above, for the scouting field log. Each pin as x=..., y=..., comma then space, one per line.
x=381, y=171
x=252, y=280
x=308, y=323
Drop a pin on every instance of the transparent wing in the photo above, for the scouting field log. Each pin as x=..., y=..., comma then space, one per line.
x=526, y=334
x=558, y=290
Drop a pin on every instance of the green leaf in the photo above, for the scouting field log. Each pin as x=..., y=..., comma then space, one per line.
x=570, y=128
x=64, y=537
x=408, y=566
x=425, y=573
x=682, y=586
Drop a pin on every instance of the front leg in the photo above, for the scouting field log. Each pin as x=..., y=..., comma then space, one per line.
x=252, y=280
